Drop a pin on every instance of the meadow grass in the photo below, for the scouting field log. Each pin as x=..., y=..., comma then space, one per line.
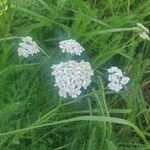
x=34, y=117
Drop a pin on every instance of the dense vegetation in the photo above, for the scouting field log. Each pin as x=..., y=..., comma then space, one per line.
x=33, y=116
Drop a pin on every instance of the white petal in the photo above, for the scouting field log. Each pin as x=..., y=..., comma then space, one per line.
x=125, y=80
x=144, y=36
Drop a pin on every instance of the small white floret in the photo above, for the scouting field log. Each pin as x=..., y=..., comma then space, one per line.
x=125, y=80
x=144, y=36
x=71, y=46
x=143, y=31
x=115, y=87
x=27, y=47
x=112, y=69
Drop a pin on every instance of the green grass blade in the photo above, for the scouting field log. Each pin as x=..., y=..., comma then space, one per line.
x=83, y=118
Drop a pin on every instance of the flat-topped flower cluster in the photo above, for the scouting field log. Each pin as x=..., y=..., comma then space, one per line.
x=71, y=46
x=117, y=79
x=71, y=76
x=27, y=47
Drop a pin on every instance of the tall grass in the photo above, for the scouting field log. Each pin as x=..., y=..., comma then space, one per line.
x=34, y=117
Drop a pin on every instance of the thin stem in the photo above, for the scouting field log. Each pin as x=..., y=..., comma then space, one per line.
x=10, y=38
x=44, y=53
x=126, y=56
x=122, y=29
x=113, y=30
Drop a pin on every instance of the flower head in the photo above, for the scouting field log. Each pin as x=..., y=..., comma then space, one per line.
x=143, y=31
x=71, y=46
x=117, y=79
x=71, y=76
x=28, y=47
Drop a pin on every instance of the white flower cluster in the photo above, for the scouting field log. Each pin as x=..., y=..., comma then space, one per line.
x=71, y=46
x=143, y=31
x=71, y=76
x=117, y=79
x=27, y=47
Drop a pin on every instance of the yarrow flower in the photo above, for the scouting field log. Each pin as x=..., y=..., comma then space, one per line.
x=143, y=31
x=71, y=46
x=71, y=77
x=117, y=79
x=28, y=47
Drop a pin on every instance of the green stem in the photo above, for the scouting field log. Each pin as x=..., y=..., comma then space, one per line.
x=113, y=30
x=10, y=38
x=44, y=53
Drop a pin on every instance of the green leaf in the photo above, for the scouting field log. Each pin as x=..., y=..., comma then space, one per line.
x=111, y=145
